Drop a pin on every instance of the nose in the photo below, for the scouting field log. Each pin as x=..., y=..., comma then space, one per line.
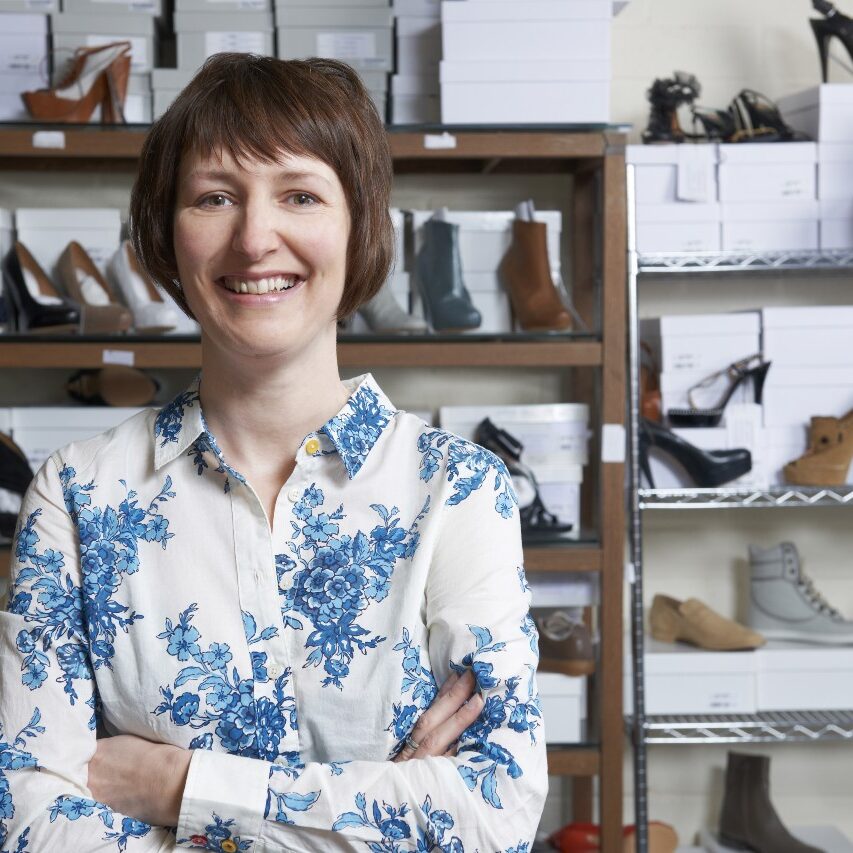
x=255, y=234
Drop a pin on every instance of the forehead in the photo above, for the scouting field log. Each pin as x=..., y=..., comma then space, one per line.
x=196, y=165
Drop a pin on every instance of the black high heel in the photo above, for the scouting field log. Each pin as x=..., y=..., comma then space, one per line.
x=833, y=24
x=707, y=469
x=757, y=119
x=536, y=520
x=738, y=372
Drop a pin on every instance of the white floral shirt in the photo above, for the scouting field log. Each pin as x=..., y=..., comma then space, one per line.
x=149, y=596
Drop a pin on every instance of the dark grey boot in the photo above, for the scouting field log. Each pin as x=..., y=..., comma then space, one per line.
x=748, y=820
x=446, y=300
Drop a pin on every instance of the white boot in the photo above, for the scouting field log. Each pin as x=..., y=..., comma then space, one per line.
x=384, y=314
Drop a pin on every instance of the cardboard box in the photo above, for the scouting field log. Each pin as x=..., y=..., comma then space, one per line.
x=770, y=226
x=201, y=35
x=113, y=7
x=23, y=43
x=414, y=84
x=664, y=174
x=93, y=30
x=794, y=394
x=679, y=227
x=809, y=335
x=683, y=679
x=824, y=112
x=418, y=47
x=563, y=703
x=799, y=677
x=524, y=92
x=771, y=171
x=47, y=231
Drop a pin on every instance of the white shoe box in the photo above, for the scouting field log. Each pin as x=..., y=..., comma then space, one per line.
x=415, y=99
x=783, y=444
x=770, y=226
x=47, y=231
x=827, y=839
x=28, y=7
x=416, y=8
x=202, y=34
x=167, y=84
x=834, y=170
x=94, y=30
x=361, y=37
x=418, y=45
x=679, y=227
x=836, y=223
x=563, y=703
x=11, y=85
x=669, y=174
x=535, y=30
x=768, y=171
x=807, y=335
x=800, y=677
x=23, y=43
x=525, y=92
x=215, y=6
x=137, y=104
x=495, y=312
x=40, y=430
x=554, y=435
x=684, y=679
x=824, y=112
x=794, y=394
x=153, y=8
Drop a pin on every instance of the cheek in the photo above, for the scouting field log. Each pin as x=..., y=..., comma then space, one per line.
x=195, y=244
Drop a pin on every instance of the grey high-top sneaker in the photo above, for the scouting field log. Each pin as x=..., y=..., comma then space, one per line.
x=784, y=604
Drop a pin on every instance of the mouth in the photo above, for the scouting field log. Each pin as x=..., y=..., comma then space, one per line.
x=258, y=286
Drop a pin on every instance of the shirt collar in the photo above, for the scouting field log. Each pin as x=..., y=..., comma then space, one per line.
x=353, y=431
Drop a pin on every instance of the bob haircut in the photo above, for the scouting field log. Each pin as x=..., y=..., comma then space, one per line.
x=258, y=107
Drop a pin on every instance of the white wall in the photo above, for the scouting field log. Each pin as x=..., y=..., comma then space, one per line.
x=733, y=44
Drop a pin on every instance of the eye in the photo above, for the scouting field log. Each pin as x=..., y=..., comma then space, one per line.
x=303, y=199
x=215, y=200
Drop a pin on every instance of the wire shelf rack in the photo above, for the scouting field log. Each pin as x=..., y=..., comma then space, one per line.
x=745, y=498
x=729, y=262
x=773, y=727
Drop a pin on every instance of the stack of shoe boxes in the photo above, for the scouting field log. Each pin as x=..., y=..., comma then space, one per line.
x=554, y=438
x=484, y=237
x=676, y=198
x=825, y=113
x=506, y=63
x=24, y=53
x=358, y=32
x=414, y=86
x=91, y=23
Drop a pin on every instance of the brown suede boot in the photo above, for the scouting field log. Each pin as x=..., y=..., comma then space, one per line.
x=748, y=820
x=526, y=274
x=826, y=431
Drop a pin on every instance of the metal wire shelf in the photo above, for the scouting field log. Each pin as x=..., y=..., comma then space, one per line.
x=771, y=727
x=745, y=498
x=728, y=262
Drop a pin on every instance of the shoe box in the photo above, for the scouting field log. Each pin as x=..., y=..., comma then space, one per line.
x=166, y=85
x=562, y=699
x=415, y=99
x=71, y=31
x=415, y=87
x=505, y=63
x=153, y=8
x=23, y=59
x=199, y=35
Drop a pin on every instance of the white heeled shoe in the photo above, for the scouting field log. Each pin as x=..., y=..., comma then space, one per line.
x=384, y=314
x=151, y=315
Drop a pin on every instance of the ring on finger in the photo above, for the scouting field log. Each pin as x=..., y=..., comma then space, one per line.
x=412, y=744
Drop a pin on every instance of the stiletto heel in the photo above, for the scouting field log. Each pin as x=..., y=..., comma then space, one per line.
x=738, y=372
x=707, y=469
x=645, y=465
x=833, y=24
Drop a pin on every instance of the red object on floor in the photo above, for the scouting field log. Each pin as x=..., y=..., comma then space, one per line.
x=586, y=838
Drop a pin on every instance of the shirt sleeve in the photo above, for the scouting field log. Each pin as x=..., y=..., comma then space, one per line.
x=489, y=798
x=48, y=699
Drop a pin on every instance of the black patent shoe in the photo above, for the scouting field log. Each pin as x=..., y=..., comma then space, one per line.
x=536, y=520
x=834, y=24
x=36, y=308
x=708, y=469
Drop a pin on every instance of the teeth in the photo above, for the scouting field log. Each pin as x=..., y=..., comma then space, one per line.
x=243, y=287
x=263, y=285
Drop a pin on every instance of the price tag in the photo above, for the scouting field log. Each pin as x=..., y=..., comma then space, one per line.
x=49, y=139
x=695, y=181
x=439, y=141
x=613, y=443
x=118, y=356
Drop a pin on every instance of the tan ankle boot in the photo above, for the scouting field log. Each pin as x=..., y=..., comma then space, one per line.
x=825, y=431
x=827, y=461
x=693, y=622
x=526, y=275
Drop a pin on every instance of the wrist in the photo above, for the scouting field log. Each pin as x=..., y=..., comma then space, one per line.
x=176, y=761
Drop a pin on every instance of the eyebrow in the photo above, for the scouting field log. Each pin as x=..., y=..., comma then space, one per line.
x=217, y=175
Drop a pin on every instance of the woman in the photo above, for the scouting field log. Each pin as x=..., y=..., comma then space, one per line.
x=259, y=588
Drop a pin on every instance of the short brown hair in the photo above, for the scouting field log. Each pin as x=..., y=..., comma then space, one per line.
x=260, y=107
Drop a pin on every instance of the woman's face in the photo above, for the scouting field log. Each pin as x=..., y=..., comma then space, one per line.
x=261, y=250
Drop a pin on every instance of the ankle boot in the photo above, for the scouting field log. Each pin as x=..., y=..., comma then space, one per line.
x=446, y=299
x=825, y=431
x=827, y=461
x=526, y=274
x=384, y=314
x=748, y=820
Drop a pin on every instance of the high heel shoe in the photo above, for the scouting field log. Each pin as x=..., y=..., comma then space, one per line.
x=384, y=314
x=526, y=274
x=34, y=304
x=151, y=315
x=85, y=284
x=447, y=302
x=536, y=521
x=666, y=95
x=757, y=119
x=707, y=469
x=833, y=25
x=740, y=371
x=98, y=75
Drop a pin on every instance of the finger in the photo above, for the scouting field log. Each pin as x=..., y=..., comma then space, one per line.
x=435, y=742
x=443, y=707
x=449, y=682
x=451, y=751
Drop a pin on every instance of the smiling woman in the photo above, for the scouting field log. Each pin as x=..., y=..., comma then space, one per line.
x=296, y=615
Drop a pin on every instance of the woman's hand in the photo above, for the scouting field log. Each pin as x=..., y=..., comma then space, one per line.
x=140, y=779
x=457, y=706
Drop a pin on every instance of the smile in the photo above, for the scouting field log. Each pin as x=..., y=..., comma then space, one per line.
x=272, y=284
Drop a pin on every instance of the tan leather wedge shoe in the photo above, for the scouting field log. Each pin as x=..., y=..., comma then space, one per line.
x=693, y=622
x=827, y=461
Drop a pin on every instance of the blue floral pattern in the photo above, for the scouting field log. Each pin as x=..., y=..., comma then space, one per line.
x=169, y=420
x=468, y=466
x=214, y=834
x=417, y=680
x=74, y=808
x=14, y=756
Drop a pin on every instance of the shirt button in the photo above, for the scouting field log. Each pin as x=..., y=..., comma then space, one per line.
x=293, y=495
x=228, y=846
x=276, y=670
x=312, y=446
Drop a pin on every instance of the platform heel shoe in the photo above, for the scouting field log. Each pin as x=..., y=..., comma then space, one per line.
x=447, y=303
x=102, y=315
x=34, y=305
x=536, y=521
x=832, y=25
x=151, y=314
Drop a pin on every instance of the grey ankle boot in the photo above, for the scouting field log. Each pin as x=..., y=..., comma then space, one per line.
x=784, y=605
x=446, y=299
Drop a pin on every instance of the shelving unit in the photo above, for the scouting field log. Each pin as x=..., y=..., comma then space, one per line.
x=777, y=727
x=595, y=159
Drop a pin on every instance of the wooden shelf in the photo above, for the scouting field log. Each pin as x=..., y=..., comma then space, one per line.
x=583, y=557
x=44, y=352
x=574, y=761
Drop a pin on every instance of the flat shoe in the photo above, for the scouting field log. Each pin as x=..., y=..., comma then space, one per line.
x=114, y=385
x=693, y=622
